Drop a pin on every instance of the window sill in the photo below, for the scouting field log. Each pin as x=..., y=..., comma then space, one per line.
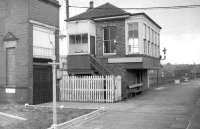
x=109, y=54
x=78, y=54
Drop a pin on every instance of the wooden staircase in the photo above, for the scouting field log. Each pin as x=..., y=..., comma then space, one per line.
x=98, y=66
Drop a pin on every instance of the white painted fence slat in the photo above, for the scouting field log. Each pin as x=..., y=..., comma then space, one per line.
x=87, y=88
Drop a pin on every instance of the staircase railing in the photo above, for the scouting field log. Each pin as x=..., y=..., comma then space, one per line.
x=98, y=66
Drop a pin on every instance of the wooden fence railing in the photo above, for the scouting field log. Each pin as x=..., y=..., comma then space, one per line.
x=89, y=88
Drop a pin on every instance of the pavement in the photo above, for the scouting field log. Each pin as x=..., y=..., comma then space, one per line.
x=166, y=107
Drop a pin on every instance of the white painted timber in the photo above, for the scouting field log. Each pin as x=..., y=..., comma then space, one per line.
x=125, y=60
x=10, y=90
x=12, y=116
x=88, y=88
x=10, y=44
x=82, y=26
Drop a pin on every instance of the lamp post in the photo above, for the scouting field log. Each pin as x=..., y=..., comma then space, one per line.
x=54, y=65
x=54, y=72
x=161, y=58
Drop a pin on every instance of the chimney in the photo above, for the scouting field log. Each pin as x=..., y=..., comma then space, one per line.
x=91, y=5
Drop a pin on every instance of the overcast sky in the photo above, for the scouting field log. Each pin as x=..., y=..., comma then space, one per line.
x=180, y=32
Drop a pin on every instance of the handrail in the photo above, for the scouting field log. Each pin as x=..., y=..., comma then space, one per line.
x=98, y=66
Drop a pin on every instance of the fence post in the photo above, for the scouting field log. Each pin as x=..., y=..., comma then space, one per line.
x=118, y=88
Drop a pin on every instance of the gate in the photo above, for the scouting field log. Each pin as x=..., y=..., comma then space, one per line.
x=42, y=84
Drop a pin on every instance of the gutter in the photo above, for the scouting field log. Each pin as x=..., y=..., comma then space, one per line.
x=109, y=18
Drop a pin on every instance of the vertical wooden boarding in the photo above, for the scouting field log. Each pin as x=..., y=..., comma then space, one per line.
x=72, y=90
x=109, y=89
x=106, y=89
x=87, y=88
x=102, y=89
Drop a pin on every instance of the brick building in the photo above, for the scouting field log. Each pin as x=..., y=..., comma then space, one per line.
x=109, y=40
x=28, y=41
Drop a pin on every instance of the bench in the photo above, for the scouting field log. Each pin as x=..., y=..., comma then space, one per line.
x=134, y=89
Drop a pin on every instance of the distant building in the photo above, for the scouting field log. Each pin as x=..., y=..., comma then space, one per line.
x=109, y=40
x=28, y=41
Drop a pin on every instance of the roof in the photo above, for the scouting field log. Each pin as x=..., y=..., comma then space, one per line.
x=53, y=2
x=105, y=10
x=144, y=14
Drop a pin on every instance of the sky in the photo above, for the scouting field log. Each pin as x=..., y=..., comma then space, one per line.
x=180, y=33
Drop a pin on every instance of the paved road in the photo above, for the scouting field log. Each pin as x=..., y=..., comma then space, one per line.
x=169, y=107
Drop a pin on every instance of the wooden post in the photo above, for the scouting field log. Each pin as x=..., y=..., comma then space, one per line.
x=118, y=88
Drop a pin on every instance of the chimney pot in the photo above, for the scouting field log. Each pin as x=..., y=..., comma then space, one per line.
x=91, y=4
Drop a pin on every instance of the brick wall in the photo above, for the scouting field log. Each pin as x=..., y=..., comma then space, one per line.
x=44, y=12
x=120, y=46
x=120, y=68
x=14, y=18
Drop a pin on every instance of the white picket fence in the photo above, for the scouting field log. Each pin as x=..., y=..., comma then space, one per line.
x=89, y=88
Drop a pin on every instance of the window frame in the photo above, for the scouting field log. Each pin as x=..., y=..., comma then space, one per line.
x=81, y=35
x=109, y=40
x=138, y=44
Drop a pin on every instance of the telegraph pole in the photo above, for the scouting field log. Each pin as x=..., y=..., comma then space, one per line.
x=67, y=10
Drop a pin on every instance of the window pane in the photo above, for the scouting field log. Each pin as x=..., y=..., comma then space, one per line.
x=109, y=47
x=149, y=33
x=113, y=31
x=136, y=50
x=78, y=39
x=72, y=39
x=136, y=43
x=130, y=27
x=135, y=33
x=106, y=47
x=130, y=41
x=84, y=38
x=113, y=48
x=148, y=47
x=145, y=32
x=130, y=34
x=135, y=30
x=135, y=26
x=106, y=33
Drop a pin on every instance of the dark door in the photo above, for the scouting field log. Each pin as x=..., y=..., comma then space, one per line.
x=42, y=80
x=92, y=45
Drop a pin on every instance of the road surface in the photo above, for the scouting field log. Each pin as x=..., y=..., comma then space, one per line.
x=167, y=107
